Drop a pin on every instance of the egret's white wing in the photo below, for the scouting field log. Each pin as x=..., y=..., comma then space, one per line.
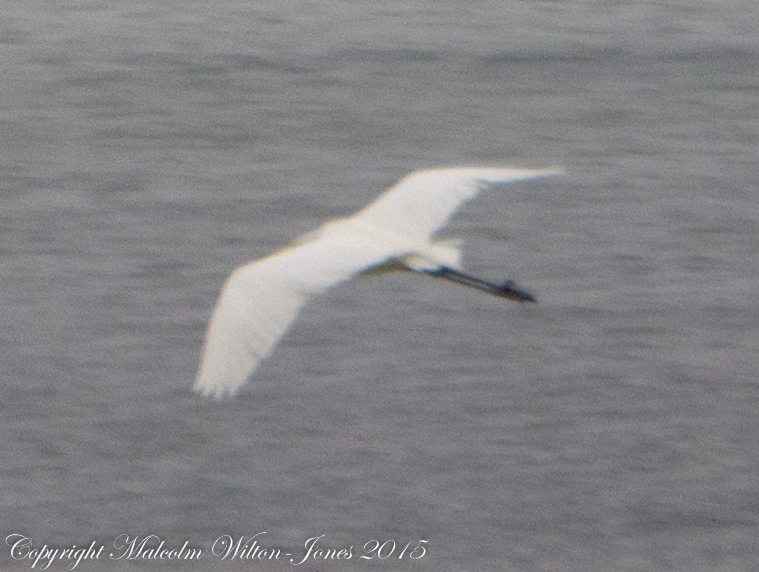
x=422, y=202
x=262, y=299
x=251, y=315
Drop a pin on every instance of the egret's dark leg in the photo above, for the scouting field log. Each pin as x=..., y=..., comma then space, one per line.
x=505, y=290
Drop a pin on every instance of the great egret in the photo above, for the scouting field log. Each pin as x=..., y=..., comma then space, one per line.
x=261, y=300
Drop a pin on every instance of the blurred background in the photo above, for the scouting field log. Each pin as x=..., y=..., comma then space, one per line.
x=149, y=147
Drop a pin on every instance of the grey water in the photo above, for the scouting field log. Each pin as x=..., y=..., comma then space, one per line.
x=149, y=147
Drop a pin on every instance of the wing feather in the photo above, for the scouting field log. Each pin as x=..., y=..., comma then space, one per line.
x=422, y=202
x=261, y=300
x=251, y=315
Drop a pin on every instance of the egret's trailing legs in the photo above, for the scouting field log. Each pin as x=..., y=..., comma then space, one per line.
x=505, y=290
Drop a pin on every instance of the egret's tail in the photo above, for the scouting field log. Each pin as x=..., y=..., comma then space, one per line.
x=445, y=252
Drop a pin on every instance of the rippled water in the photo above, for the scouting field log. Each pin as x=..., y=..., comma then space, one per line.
x=149, y=147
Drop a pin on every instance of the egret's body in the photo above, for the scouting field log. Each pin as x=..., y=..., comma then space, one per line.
x=261, y=299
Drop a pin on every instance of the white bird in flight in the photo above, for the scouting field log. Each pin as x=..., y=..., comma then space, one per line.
x=261, y=299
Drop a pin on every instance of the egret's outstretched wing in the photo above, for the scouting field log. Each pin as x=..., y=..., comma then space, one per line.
x=251, y=315
x=422, y=202
x=262, y=299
